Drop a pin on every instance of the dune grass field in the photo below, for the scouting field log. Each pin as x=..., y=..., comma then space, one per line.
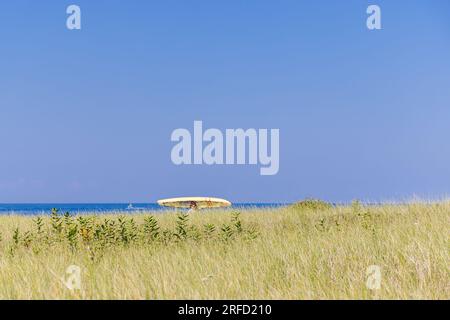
x=306, y=251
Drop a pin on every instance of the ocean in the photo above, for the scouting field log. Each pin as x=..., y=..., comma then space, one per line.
x=103, y=208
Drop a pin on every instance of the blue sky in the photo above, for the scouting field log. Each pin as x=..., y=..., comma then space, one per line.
x=86, y=116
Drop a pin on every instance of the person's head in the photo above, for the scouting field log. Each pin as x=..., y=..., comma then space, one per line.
x=193, y=205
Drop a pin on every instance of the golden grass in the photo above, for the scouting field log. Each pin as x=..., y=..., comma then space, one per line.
x=294, y=253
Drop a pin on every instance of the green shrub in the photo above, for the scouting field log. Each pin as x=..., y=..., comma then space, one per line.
x=95, y=236
x=311, y=204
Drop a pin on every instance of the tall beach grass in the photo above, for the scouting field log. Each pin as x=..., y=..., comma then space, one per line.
x=294, y=252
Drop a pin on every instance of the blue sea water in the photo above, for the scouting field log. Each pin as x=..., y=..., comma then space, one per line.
x=80, y=208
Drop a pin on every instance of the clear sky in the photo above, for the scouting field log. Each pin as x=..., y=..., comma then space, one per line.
x=86, y=115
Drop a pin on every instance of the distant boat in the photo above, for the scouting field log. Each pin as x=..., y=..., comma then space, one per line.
x=131, y=207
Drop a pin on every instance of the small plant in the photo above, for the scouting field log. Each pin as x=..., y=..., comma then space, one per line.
x=209, y=231
x=71, y=237
x=251, y=234
x=321, y=225
x=151, y=228
x=109, y=233
x=367, y=220
x=235, y=219
x=39, y=223
x=56, y=222
x=16, y=237
x=166, y=237
x=181, y=226
x=26, y=239
x=85, y=229
x=124, y=238
x=226, y=232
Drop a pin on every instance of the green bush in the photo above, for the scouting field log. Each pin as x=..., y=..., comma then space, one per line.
x=311, y=204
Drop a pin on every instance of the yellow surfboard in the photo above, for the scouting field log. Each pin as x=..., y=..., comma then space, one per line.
x=194, y=202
